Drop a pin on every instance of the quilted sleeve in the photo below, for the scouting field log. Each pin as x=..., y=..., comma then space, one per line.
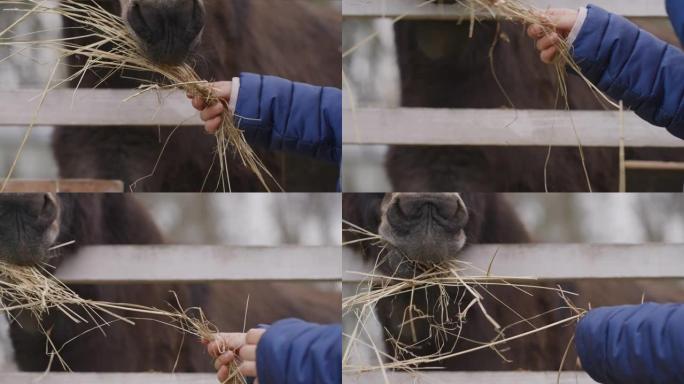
x=631, y=65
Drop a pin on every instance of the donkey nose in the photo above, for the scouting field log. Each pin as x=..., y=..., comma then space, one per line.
x=168, y=29
x=419, y=205
x=40, y=208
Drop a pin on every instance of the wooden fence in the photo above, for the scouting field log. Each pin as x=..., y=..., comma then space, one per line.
x=438, y=126
x=189, y=264
x=563, y=261
x=97, y=108
x=412, y=10
x=91, y=108
x=65, y=186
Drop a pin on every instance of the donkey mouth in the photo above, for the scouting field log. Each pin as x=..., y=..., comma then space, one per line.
x=29, y=226
x=429, y=248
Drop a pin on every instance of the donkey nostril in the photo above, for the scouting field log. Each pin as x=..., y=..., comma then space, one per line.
x=447, y=210
x=48, y=212
x=410, y=208
x=139, y=23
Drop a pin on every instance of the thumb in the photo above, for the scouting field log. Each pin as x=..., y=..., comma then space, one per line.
x=562, y=19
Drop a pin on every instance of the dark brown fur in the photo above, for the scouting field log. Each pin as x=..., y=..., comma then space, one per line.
x=292, y=39
x=494, y=221
x=118, y=219
x=442, y=68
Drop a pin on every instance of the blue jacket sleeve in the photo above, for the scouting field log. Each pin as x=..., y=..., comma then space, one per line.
x=675, y=10
x=293, y=351
x=633, y=344
x=632, y=65
x=279, y=114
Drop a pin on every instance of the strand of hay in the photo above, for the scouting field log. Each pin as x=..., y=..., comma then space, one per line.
x=447, y=321
x=623, y=169
x=115, y=50
x=36, y=291
x=520, y=12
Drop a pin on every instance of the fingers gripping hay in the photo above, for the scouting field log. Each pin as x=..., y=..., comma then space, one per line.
x=115, y=50
x=36, y=291
x=445, y=318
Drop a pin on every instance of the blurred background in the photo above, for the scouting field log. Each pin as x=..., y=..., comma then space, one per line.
x=602, y=218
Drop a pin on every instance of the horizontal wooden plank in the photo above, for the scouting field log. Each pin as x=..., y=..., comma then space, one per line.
x=395, y=8
x=373, y=377
x=470, y=377
x=562, y=261
x=654, y=165
x=108, y=378
x=432, y=126
x=65, y=186
x=190, y=263
x=97, y=107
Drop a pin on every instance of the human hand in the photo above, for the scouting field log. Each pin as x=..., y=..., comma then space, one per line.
x=212, y=115
x=226, y=347
x=561, y=21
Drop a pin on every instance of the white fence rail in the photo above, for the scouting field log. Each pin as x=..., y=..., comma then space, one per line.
x=97, y=107
x=498, y=127
x=65, y=186
x=107, y=378
x=395, y=8
x=562, y=261
x=190, y=263
x=431, y=378
x=471, y=377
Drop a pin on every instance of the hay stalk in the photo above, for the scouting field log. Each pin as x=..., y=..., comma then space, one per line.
x=35, y=290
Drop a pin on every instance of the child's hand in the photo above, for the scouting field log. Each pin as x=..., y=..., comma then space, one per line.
x=211, y=114
x=227, y=346
x=547, y=43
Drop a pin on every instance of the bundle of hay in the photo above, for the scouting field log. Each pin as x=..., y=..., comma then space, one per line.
x=116, y=50
x=36, y=291
x=446, y=320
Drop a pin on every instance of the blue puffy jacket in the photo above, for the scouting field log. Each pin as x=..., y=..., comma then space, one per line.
x=639, y=344
x=282, y=115
x=675, y=9
x=632, y=65
x=293, y=351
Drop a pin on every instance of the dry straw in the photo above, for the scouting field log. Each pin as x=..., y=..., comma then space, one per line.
x=113, y=49
x=34, y=290
x=448, y=318
x=520, y=12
